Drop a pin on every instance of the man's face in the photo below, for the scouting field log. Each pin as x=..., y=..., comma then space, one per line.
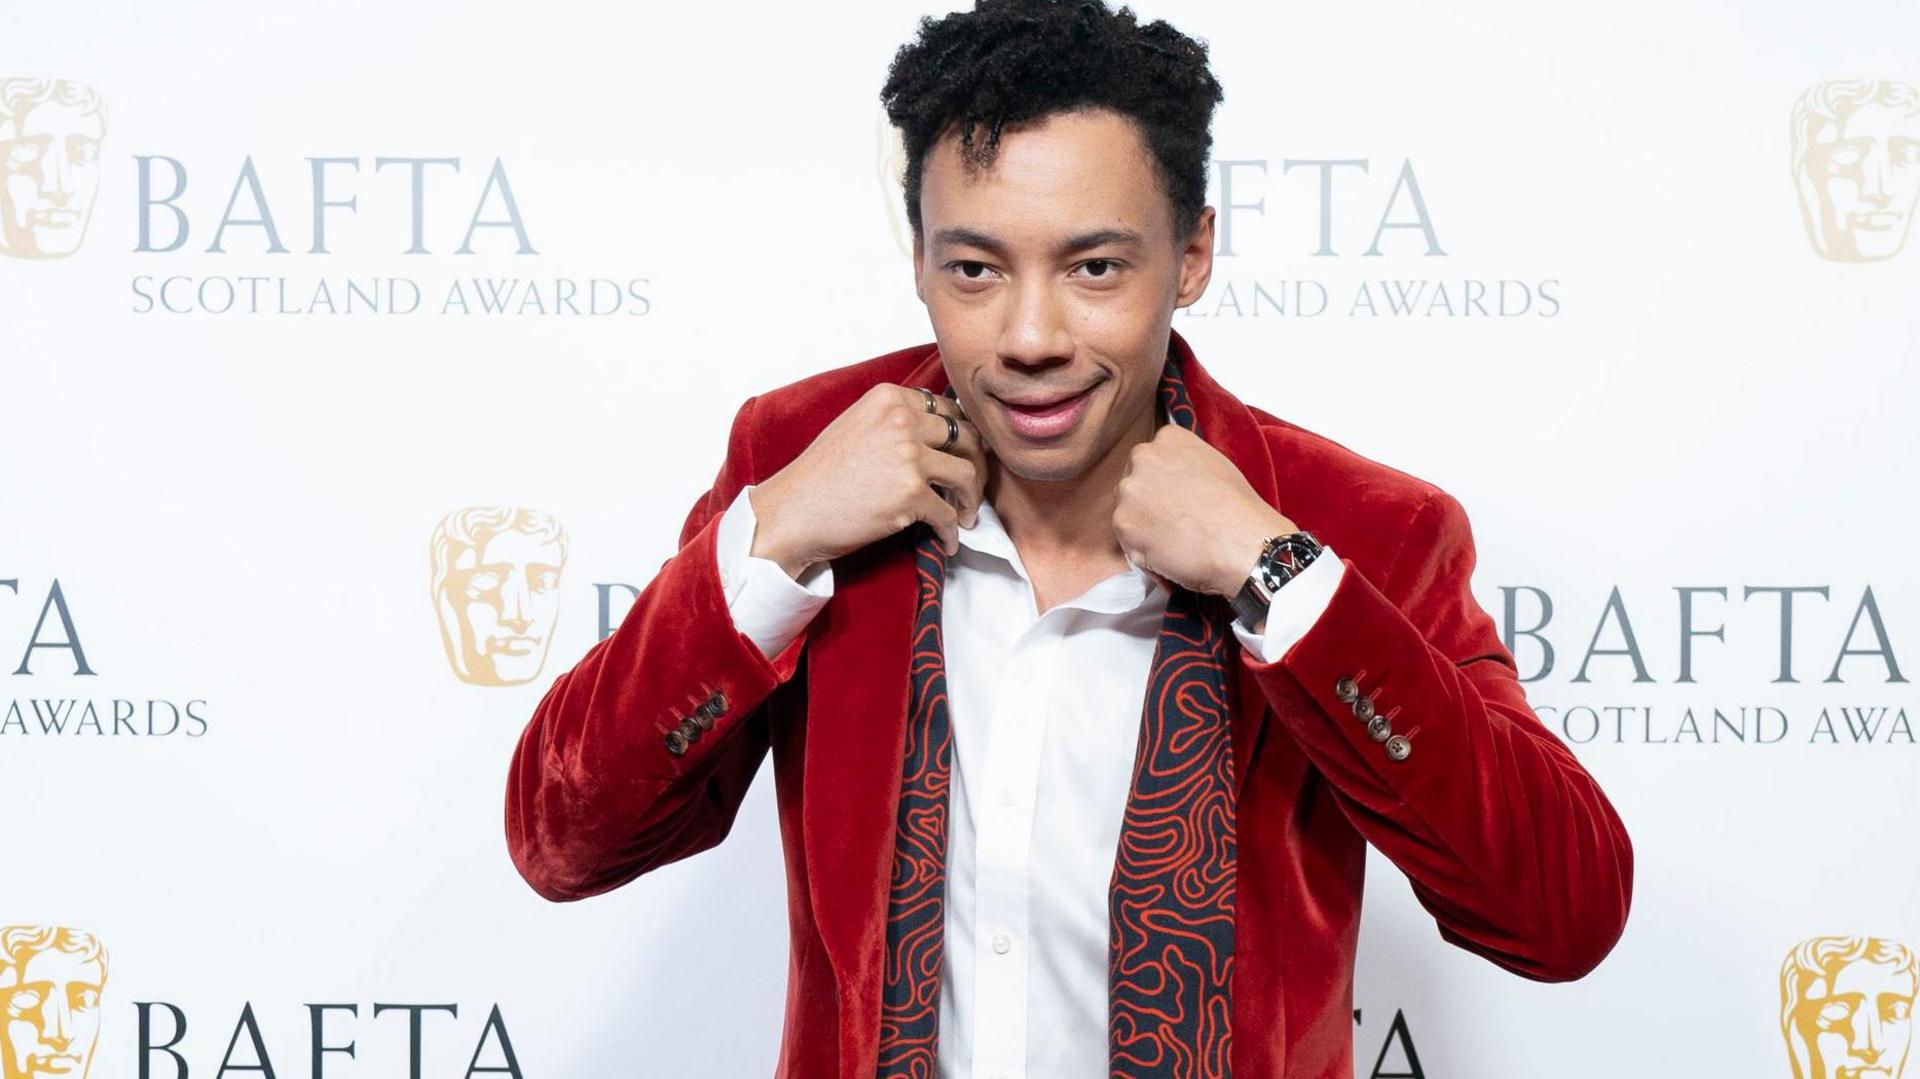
x=1859, y=1022
x=49, y=172
x=52, y=1017
x=508, y=592
x=1866, y=175
x=1053, y=277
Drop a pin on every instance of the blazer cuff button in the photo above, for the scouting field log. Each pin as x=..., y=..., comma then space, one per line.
x=1346, y=690
x=1398, y=747
x=676, y=742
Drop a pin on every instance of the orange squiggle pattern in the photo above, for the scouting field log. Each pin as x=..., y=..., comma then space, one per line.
x=1171, y=900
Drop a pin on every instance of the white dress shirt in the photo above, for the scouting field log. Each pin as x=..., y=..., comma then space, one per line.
x=1045, y=711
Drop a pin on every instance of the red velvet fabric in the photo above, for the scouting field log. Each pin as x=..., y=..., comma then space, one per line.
x=1508, y=842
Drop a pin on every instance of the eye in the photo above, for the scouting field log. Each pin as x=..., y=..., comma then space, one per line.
x=23, y=153
x=1844, y=158
x=1835, y=1012
x=971, y=269
x=1101, y=269
x=482, y=583
x=23, y=1001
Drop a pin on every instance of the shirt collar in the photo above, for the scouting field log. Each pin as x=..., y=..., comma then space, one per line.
x=1121, y=592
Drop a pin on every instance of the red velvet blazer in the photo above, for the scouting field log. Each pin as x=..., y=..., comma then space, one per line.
x=1508, y=842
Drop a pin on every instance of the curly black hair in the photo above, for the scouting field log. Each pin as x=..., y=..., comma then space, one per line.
x=1011, y=61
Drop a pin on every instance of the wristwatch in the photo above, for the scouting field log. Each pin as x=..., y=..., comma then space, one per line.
x=1281, y=559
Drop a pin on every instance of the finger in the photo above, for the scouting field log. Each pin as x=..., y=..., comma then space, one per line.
x=941, y=402
x=956, y=474
x=970, y=497
x=928, y=506
x=968, y=444
x=964, y=473
x=933, y=431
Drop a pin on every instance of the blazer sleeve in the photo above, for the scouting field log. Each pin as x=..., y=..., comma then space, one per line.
x=596, y=792
x=1507, y=840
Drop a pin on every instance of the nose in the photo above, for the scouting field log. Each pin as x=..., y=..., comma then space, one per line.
x=1867, y=1036
x=515, y=602
x=59, y=1019
x=1873, y=186
x=1035, y=330
x=59, y=174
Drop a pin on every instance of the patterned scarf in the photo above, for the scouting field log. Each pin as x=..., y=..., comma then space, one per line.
x=1170, y=903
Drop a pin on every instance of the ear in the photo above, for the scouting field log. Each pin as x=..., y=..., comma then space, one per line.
x=1196, y=260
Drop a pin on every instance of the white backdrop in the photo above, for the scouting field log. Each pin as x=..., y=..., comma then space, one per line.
x=236, y=505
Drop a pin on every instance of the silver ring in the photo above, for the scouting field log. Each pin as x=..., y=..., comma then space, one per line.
x=953, y=432
x=929, y=396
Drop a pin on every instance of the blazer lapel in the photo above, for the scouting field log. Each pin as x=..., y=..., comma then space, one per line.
x=1228, y=426
x=858, y=665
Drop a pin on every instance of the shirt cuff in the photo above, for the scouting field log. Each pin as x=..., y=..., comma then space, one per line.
x=1295, y=608
x=768, y=606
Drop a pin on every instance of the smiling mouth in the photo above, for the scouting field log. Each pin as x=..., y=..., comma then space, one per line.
x=1043, y=404
x=1044, y=418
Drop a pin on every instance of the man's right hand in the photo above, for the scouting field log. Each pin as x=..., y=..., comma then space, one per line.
x=869, y=474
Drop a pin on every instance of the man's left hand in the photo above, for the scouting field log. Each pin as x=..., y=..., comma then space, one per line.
x=1185, y=514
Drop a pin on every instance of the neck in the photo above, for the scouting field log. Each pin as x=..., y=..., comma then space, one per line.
x=1072, y=519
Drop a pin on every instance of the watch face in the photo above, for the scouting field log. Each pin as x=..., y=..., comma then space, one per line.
x=1291, y=554
x=1273, y=574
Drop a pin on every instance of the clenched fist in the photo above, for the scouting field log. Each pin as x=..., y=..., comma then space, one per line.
x=872, y=472
x=1185, y=514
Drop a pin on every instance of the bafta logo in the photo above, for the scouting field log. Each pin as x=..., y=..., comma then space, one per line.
x=1856, y=164
x=50, y=132
x=50, y=981
x=1846, y=1008
x=496, y=591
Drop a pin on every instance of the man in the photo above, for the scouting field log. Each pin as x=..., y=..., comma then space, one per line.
x=1093, y=726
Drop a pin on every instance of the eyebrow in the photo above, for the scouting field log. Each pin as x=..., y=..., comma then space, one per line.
x=961, y=235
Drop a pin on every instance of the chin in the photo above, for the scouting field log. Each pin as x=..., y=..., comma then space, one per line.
x=1052, y=464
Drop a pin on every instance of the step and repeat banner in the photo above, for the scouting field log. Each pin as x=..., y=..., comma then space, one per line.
x=359, y=363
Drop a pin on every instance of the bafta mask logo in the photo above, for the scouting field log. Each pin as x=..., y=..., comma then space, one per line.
x=891, y=160
x=50, y=132
x=50, y=981
x=1856, y=163
x=496, y=591
x=1846, y=1008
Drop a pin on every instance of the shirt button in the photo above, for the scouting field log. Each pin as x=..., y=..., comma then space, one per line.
x=1002, y=944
